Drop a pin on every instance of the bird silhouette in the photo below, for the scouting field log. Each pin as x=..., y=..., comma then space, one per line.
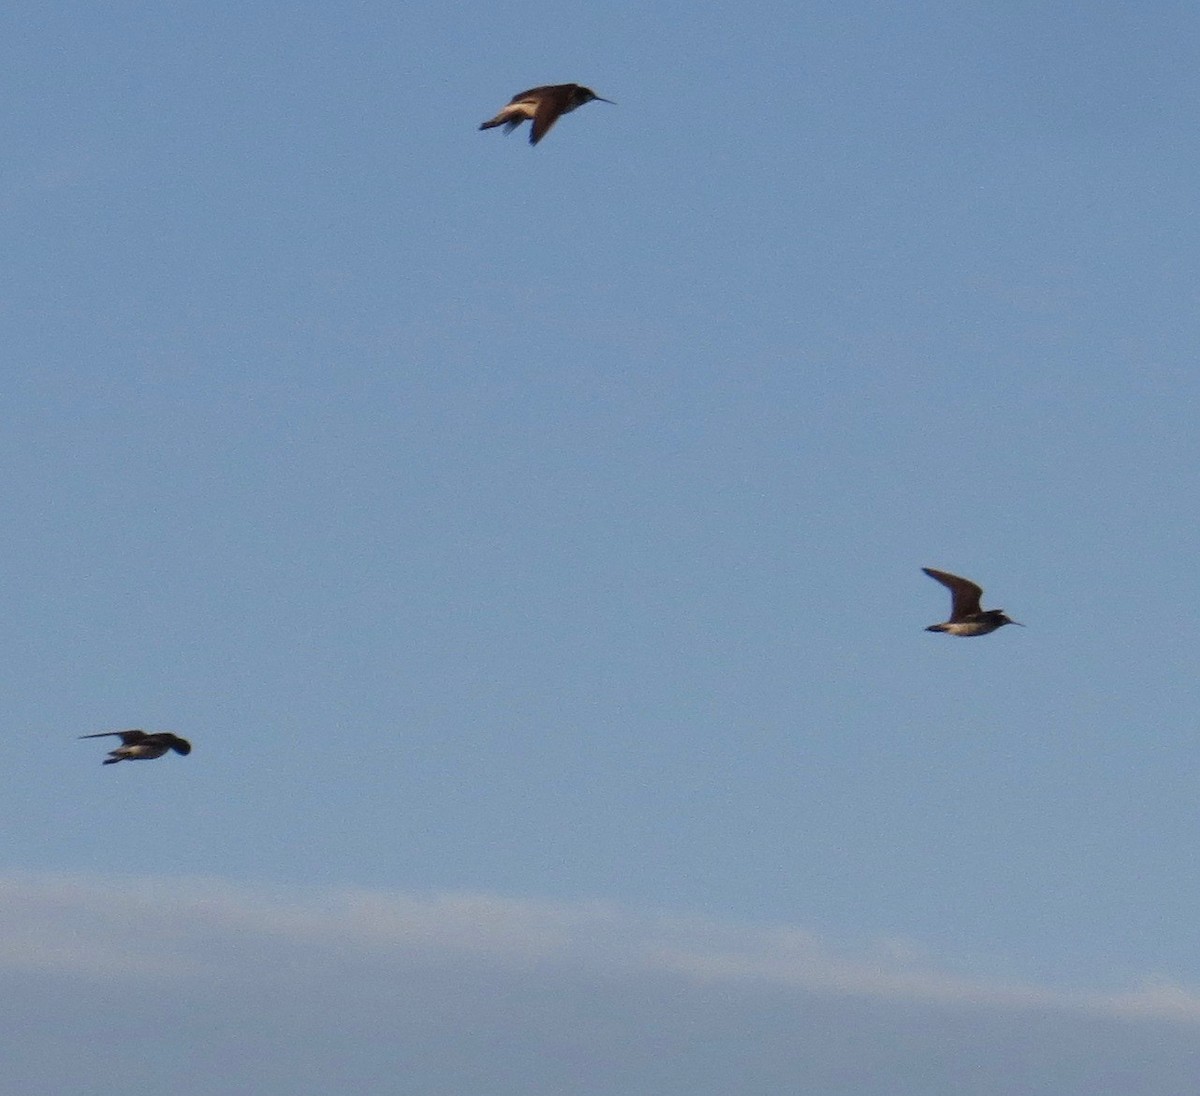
x=966, y=616
x=140, y=746
x=544, y=105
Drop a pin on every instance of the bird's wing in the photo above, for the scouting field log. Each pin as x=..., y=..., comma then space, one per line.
x=549, y=110
x=965, y=596
x=128, y=738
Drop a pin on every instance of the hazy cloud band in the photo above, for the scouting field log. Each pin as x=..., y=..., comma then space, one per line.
x=207, y=928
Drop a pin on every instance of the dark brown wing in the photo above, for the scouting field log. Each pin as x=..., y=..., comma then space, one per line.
x=128, y=738
x=964, y=594
x=549, y=110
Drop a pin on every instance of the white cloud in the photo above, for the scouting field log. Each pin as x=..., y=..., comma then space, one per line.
x=180, y=928
x=228, y=987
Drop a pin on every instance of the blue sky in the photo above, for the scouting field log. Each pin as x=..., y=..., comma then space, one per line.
x=545, y=525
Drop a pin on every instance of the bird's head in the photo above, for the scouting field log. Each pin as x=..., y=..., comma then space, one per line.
x=586, y=95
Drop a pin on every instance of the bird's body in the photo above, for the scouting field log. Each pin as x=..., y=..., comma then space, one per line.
x=543, y=106
x=980, y=626
x=140, y=746
x=966, y=616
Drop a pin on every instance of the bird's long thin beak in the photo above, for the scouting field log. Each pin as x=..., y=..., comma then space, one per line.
x=601, y=99
x=1017, y=623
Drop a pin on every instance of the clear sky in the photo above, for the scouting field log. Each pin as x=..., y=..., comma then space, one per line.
x=529, y=542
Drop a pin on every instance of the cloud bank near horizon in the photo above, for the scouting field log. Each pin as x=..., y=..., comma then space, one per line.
x=299, y=990
x=138, y=927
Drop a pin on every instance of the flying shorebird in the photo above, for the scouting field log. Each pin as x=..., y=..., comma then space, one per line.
x=966, y=617
x=138, y=745
x=545, y=105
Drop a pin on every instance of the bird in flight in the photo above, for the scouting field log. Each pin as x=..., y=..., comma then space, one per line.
x=138, y=745
x=544, y=105
x=966, y=617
